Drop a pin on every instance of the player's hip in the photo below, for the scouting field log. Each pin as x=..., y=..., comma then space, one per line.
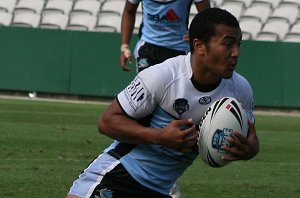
x=106, y=177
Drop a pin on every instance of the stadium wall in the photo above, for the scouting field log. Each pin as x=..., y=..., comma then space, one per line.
x=61, y=62
x=87, y=63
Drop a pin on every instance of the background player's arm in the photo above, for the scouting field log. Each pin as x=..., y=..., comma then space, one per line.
x=202, y=5
x=127, y=26
x=199, y=6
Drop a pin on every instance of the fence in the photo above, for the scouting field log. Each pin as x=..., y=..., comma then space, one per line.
x=87, y=63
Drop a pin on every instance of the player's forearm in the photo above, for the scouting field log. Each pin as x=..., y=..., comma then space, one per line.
x=124, y=129
x=116, y=124
x=202, y=5
x=127, y=26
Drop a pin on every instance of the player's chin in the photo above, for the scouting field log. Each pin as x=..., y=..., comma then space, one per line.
x=227, y=75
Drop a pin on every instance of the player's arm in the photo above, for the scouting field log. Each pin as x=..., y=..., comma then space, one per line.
x=199, y=6
x=127, y=26
x=116, y=124
x=202, y=5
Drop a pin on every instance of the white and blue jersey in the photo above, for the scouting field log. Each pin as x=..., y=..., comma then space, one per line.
x=160, y=94
x=165, y=92
x=165, y=22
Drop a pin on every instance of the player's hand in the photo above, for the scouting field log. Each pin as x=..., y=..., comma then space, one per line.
x=125, y=56
x=180, y=135
x=245, y=148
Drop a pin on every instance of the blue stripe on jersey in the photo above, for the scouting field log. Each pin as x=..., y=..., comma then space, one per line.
x=160, y=118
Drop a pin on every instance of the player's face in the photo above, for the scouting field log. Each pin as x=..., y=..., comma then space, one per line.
x=222, y=51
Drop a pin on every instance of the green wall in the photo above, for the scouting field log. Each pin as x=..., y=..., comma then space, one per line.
x=63, y=62
x=87, y=63
x=273, y=70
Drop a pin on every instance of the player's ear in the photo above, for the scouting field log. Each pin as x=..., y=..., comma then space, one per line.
x=199, y=46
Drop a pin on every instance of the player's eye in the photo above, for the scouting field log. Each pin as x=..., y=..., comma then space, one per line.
x=228, y=43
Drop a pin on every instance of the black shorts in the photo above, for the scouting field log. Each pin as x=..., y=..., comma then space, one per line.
x=149, y=54
x=119, y=184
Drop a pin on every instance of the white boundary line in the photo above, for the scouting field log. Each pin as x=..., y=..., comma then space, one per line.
x=258, y=111
x=106, y=102
x=272, y=112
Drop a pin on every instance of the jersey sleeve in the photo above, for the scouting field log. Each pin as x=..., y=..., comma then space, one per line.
x=249, y=106
x=144, y=93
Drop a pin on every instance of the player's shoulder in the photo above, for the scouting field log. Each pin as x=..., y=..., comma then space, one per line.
x=177, y=66
x=241, y=86
x=240, y=80
x=167, y=71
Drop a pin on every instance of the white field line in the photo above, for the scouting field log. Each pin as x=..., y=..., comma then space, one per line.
x=56, y=100
x=265, y=111
x=272, y=112
x=38, y=159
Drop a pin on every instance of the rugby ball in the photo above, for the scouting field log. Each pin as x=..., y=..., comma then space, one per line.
x=218, y=122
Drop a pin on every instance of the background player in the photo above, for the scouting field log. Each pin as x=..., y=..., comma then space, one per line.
x=162, y=33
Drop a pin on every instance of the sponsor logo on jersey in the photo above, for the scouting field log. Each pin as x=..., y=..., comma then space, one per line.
x=136, y=93
x=170, y=16
x=205, y=100
x=181, y=105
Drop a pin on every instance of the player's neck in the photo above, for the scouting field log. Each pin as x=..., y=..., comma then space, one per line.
x=205, y=87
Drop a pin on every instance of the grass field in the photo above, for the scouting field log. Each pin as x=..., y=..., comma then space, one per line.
x=45, y=145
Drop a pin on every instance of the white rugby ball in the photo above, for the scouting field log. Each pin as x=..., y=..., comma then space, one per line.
x=220, y=119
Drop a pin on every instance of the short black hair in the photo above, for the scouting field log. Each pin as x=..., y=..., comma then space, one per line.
x=204, y=24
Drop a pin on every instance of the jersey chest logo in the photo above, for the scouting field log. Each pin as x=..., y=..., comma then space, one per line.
x=170, y=16
x=181, y=106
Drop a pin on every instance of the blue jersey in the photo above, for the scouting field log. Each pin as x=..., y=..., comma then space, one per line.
x=165, y=22
x=165, y=92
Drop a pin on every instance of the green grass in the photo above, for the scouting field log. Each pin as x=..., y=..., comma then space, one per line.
x=45, y=145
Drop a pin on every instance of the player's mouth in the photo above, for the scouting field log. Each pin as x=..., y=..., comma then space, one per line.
x=232, y=66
